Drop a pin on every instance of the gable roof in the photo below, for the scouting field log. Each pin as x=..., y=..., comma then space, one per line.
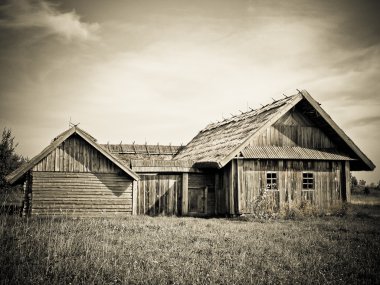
x=218, y=143
x=19, y=172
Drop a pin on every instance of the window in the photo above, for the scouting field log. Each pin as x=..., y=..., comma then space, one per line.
x=307, y=181
x=272, y=181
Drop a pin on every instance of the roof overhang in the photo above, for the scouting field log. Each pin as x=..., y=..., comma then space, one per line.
x=294, y=153
x=360, y=161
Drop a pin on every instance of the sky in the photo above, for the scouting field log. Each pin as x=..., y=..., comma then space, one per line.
x=158, y=71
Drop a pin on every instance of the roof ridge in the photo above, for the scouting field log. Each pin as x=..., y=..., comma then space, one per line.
x=244, y=115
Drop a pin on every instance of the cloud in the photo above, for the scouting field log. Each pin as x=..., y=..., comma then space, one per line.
x=365, y=121
x=24, y=14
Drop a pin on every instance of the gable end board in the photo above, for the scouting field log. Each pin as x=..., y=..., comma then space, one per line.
x=18, y=173
x=368, y=163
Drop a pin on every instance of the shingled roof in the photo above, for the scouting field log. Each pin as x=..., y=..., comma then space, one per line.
x=218, y=143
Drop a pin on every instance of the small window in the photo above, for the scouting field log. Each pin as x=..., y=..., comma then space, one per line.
x=272, y=181
x=307, y=181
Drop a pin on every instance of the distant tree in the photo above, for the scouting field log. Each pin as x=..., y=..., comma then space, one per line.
x=362, y=182
x=354, y=181
x=9, y=160
x=372, y=185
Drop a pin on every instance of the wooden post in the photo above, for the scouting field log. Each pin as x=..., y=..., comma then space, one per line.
x=348, y=181
x=206, y=192
x=134, y=197
x=27, y=208
x=239, y=189
x=185, y=193
x=232, y=187
x=217, y=194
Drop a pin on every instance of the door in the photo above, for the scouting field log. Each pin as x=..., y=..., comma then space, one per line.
x=198, y=200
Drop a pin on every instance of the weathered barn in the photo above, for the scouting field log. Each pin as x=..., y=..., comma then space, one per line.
x=288, y=153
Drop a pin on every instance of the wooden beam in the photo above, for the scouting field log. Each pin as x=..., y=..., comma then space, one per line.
x=185, y=193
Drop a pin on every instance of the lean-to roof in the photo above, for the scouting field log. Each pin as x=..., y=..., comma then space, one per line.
x=128, y=152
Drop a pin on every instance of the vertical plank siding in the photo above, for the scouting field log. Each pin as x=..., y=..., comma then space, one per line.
x=159, y=194
x=293, y=130
x=168, y=194
x=76, y=155
x=252, y=183
x=203, y=181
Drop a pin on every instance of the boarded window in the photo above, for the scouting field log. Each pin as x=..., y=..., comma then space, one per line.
x=307, y=181
x=272, y=181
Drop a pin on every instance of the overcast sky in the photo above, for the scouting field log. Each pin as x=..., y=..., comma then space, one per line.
x=159, y=71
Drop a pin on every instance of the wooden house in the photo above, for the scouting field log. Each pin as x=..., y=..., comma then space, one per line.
x=288, y=154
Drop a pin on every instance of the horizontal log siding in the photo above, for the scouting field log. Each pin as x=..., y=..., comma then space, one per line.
x=81, y=194
x=159, y=194
x=293, y=130
x=76, y=155
x=252, y=183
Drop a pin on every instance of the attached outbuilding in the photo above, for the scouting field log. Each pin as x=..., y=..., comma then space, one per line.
x=76, y=176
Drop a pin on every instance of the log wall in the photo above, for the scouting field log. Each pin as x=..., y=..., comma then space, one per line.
x=81, y=194
x=76, y=179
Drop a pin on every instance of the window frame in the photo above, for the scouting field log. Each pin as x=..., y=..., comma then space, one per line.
x=306, y=181
x=271, y=180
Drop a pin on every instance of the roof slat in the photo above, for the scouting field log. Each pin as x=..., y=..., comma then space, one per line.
x=276, y=152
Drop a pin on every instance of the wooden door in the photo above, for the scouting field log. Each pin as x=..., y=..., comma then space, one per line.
x=198, y=200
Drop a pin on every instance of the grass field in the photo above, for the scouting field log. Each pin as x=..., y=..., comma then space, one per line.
x=169, y=250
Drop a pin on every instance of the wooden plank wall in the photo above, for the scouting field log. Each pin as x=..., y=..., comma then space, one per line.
x=81, y=194
x=202, y=181
x=293, y=129
x=76, y=155
x=159, y=194
x=76, y=179
x=252, y=182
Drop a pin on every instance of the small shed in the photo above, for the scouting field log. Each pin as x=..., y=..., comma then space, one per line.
x=76, y=176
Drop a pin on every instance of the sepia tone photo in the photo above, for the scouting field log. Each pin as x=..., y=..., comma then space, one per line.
x=189, y=142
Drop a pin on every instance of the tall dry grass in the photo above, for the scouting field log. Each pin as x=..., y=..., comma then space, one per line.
x=169, y=250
